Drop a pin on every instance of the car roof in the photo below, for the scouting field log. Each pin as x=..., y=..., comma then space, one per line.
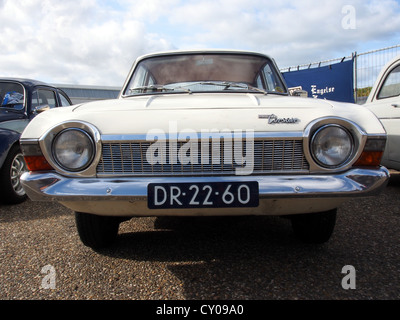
x=202, y=51
x=27, y=82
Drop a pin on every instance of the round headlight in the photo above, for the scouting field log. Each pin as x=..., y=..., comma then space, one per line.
x=73, y=149
x=332, y=146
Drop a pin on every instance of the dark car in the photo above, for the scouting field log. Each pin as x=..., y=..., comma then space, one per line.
x=20, y=101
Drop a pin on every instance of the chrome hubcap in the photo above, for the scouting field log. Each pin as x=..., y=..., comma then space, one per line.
x=18, y=167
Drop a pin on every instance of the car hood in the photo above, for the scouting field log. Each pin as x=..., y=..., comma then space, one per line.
x=203, y=111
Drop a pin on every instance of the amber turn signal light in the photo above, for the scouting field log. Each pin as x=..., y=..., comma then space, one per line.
x=37, y=163
x=369, y=159
x=372, y=153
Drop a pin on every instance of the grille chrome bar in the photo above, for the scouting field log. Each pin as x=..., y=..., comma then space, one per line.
x=138, y=158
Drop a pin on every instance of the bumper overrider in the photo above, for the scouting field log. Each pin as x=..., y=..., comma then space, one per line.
x=156, y=196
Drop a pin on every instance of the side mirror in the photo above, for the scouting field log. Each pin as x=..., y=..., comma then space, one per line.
x=40, y=109
x=298, y=92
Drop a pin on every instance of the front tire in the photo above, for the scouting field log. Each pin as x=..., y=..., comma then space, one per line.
x=314, y=227
x=95, y=231
x=13, y=167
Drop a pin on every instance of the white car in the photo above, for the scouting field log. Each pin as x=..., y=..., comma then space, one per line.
x=384, y=101
x=204, y=133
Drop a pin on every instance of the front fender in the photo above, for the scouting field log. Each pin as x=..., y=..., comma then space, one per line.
x=7, y=139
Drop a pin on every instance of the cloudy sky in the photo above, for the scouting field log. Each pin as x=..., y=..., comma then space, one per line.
x=94, y=42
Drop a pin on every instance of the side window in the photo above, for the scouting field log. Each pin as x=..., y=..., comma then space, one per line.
x=391, y=86
x=12, y=96
x=47, y=97
x=141, y=78
x=259, y=83
x=272, y=80
x=269, y=78
x=35, y=100
x=64, y=100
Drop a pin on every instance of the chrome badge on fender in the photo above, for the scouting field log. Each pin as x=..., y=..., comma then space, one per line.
x=273, y=119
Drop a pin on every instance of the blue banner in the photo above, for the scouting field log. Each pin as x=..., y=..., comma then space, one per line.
x=333, y=82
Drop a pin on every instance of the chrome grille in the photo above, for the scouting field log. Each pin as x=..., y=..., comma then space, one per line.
x=270, y=156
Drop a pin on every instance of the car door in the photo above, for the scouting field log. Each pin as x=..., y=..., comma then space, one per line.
x=43, y=99
x=386, y=106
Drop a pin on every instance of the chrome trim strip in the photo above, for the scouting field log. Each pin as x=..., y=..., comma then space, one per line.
x=29, y=141
x=355, y=182
x=196, y=175
x=169, y=136
x=389, y=118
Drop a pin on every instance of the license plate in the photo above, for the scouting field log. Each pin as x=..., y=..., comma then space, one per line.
x=202, y=195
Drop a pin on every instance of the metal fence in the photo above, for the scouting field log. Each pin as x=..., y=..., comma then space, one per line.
x=367, y=66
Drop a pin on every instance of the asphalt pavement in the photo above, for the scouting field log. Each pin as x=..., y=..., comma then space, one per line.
x=238, y=258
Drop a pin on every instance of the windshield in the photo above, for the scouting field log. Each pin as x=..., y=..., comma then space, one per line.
x=205, y=73
x=11, y=96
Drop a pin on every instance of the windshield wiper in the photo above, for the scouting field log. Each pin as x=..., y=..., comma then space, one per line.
x=228, y=85
x=169, y=88
x=152, y=87
x=157, y=87
x=182, y=88
x=257, y=89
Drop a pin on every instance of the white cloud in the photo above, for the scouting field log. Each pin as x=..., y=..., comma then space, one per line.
x=71, y=41
x=94, y=42
x=302, y=31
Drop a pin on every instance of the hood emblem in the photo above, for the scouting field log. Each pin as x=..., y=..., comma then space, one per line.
x=274, y=119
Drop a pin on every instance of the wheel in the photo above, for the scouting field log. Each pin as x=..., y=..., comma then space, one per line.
x=96, y=231
x=11, y=188
x=314, y=227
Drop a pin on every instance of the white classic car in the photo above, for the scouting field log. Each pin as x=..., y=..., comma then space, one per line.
x=204, y=133
x=384, y=101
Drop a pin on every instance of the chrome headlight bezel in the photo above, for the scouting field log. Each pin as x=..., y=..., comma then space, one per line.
x=357, y=135
x=74, y=153
x=332, y=146
x=47, y=141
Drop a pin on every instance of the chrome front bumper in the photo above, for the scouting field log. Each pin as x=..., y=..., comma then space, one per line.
x=278, y=194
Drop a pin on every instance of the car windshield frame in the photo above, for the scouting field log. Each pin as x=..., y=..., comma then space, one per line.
x=204, y=72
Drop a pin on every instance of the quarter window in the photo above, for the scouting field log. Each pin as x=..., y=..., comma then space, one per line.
x=271, y=79
x=391, y=86
x=64, y=100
